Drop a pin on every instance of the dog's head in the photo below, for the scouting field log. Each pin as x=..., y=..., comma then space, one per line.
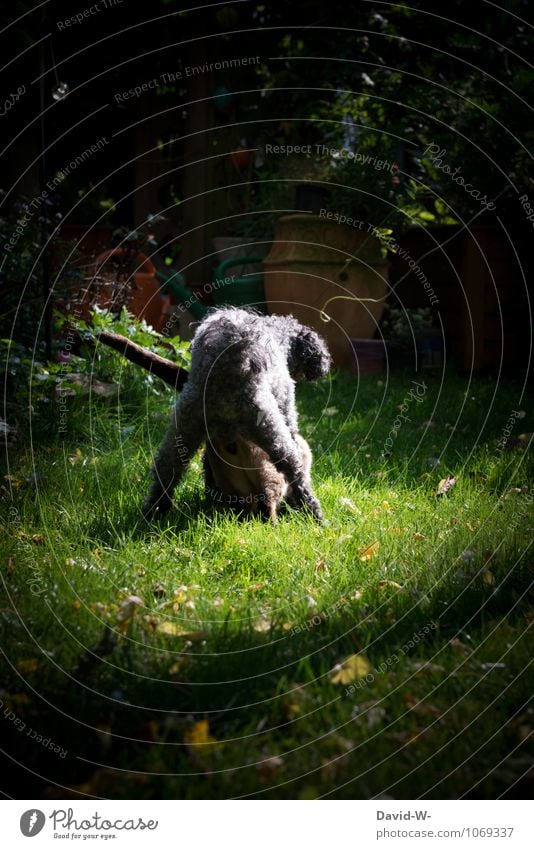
x=308, y=356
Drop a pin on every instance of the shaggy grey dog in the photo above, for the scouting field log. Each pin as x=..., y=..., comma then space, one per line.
x=242, y=386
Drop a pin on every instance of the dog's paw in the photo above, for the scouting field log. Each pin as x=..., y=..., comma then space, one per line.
x=155, y=508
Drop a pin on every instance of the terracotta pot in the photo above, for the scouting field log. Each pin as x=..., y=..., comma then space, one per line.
x=145, y=299
x=242, y=159
x=307, y=265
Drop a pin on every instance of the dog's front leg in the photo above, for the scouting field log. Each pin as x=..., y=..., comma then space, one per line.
x=183, y=438
x=271, y=433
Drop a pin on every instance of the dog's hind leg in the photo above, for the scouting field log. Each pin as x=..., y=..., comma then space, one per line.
x=183, y=438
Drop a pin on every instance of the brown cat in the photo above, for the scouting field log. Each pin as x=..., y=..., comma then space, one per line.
x=245, y=477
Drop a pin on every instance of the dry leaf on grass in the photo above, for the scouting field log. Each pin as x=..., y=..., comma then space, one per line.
x=262, y=625
x=369, y=551
x=27, y=666
x=174, y=629
x=382, y=585
x=127, y=610
x=350, y=506
x=351, y=669
x=198, y=734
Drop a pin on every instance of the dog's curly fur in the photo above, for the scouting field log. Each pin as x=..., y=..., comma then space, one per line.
x=242, y=386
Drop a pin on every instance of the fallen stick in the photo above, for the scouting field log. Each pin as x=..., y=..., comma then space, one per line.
x=168, y=371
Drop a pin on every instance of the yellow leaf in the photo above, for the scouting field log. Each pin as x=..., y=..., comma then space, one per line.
x=77, y=457
x=178, y=666
x=383, y=584
x=27, y=666
x=367, y=552
x=199, y=734
x=417, y=536
x=353, y=667
x=77, y=604
x=173, y=629
x=488, y=578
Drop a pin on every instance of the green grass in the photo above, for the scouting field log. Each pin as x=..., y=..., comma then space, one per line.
x=240, y=623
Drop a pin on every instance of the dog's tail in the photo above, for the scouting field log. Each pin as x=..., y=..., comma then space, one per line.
x=168, y=371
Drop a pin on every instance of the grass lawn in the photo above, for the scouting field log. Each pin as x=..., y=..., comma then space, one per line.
x=208, y=657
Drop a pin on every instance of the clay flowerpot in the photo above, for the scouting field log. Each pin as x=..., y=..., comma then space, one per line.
x=242, y=159
x=145, y=299
x=307, y=265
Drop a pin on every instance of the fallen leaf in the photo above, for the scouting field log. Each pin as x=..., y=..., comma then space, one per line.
x=346, y=502
x=269, y=767
x=77, y=457
x=417, y=536
x=351, y=669
x=255, y=587
x=262, y=625
x=27, y=666
x=425, y=666
x=127, y=610
x=179, y=665
x=385, y=583
x=418, y=706
x=367, y=552
x=173, y=629
x=371, y=712
x=198, y=734
x=321, y=568
x=488, y=578
x=445, y=486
